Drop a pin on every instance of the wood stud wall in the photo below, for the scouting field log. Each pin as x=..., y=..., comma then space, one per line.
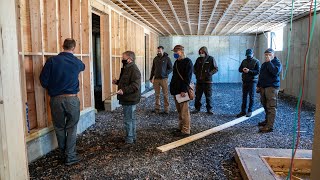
x=214, y=17
x=43, y=26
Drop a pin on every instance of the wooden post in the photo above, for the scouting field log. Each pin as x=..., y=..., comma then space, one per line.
x=13, y=158
x=315, y=173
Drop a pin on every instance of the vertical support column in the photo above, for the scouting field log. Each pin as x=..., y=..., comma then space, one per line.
x=315, y=173
x=13, y=159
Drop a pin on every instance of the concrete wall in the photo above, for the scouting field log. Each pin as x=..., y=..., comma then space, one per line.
x=47, y=141
x=228, y=51
x=291, y=84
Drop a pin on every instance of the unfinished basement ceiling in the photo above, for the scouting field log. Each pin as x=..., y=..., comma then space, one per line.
x=213, y=17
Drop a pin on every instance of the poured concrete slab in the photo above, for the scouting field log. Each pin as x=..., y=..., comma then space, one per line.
x=252, y=163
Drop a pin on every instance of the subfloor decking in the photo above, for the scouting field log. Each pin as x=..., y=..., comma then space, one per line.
x=253, y=167
x=208, y=158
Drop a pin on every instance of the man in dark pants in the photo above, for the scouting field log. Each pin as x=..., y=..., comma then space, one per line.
x=268, y=86
x=204, y=68
x=161, y=68
x=60, y=77
x=249, y=68
x=129, y=94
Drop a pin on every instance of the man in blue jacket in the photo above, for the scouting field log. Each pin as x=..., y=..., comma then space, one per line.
x=268, y=86
x=60, y=77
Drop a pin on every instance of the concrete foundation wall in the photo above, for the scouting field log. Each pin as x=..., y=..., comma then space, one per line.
x=228, y=51
x=299, y=40
x=47, y=141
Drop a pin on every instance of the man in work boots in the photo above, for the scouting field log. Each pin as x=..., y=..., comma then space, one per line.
x=129, y=94
x=161, y=68
x=204, y=68
x=249, y=68
x=268, y=86
x=60, y=77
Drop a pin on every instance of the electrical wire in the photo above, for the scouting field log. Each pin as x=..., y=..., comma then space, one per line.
x=289, y=42
x=297, y=124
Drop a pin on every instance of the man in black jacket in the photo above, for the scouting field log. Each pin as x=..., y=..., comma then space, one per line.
x=249, y=68
x=129, y=93
x=204, y=68
x=161, y=68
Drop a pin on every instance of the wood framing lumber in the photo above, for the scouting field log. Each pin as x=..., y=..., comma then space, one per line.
x=200, y=135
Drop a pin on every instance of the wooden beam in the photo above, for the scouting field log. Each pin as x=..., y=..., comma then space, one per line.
x=175, y=15
x=155, y=19
x=187, y=13
x=315, y=173
x=224, y=14
x=37, y=46
x=276, y=4
x=199, y=19
x=13, y=157
x=200, y=135
x=65, y=19
x=248, y=2
x=164, y=17
x=252, y=12
x=147, y=22
x=212, y=14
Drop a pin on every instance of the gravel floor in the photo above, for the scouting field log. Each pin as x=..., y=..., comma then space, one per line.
x=208, y=158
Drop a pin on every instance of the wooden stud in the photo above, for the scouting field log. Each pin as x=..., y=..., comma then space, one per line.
x=65, y=19
x=13, y=158
x=211, y=16
x=36, y=38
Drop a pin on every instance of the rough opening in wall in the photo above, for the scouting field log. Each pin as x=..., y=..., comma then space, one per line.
x=96, y=51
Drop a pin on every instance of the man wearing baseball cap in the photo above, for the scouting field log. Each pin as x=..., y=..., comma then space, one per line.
x=249, y=68
x=268, y=86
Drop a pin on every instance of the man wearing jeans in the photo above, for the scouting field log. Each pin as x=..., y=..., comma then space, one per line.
x=268, y=86
x=60, y=77
x=129, y=93
x=161, y=68
x=249, y=68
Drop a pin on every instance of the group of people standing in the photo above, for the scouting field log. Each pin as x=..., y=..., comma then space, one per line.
x=60, y=77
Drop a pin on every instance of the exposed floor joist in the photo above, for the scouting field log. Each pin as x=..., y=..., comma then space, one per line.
x=209, y=17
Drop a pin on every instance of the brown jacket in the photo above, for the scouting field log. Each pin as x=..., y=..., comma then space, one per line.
x=130, y=84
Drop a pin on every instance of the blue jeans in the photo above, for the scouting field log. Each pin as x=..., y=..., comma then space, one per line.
x=248, y=89
x=130, y=122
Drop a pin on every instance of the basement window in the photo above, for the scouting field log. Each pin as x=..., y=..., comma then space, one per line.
x=276, y=39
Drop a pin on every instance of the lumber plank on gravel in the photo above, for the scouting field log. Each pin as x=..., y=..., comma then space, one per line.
x=200, y=135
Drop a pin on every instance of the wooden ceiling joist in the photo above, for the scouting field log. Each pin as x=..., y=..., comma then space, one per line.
x=248, y=15
x=175, y=15
x=185, y=2
x=280, y=20
x=155, y=19
x=136, y=14
x=224, y=14
x=235, y=16
x=211, y=16
x=164, y=17
x=258, y=17
x=199, y=19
